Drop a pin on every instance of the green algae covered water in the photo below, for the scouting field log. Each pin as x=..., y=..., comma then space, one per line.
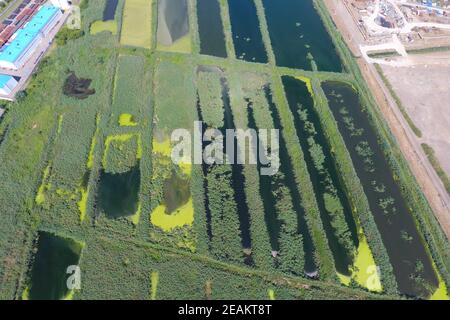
x=118, y=194
x=407, y=251
x=337, y=219
x=49, y=273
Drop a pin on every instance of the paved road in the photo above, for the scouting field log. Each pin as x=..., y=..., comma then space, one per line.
x=394, y=45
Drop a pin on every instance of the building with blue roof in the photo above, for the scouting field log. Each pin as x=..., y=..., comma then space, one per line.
x=7, y=84
x=24, y=42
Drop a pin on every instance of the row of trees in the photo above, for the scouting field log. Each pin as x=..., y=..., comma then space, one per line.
x=327, y=189
x=290, y=256
x=354, y=189
x=221, y=209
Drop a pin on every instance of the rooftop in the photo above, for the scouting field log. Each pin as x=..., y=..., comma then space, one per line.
x=23, y=37
x=4, y=78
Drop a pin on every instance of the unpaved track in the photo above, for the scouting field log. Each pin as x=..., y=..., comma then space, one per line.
x=346, y=25
x=427, y=178
x=410, y=146
x=422, y=89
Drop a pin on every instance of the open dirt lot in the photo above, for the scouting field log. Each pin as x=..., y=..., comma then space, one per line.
x=423, y=90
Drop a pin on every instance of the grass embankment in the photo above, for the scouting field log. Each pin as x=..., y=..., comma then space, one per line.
x=183, y=45
x=85, y=186
x=101, y=26
x=183, y=275
x=437, y=166
x=324, y=258
x=129, y=84
x=154, y=279
x=399, y=103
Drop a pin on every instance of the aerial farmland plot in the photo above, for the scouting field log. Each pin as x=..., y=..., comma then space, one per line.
x=136, y=24
x=125, y=175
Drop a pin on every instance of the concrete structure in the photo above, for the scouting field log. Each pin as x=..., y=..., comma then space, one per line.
x=63, y=4
x=7, y=84
x=25, y=41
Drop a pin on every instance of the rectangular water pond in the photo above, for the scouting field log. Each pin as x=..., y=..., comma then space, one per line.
x=173, y=21
x=110, y=10
x=118, y=194
x=298, y=36
x=290, y=237
x=334, y=206
x=49, y=273
x=407, y=251
x=212, y=37
x=222, y=203
x=247, y=37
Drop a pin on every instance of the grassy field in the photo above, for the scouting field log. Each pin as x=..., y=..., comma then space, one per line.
x=137, y=23
x=101, y=26
x=183, y=45
x=128, y=85
x=56, y=150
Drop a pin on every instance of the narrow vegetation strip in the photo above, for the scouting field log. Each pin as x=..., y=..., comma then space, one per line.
x=437, y=166
x=398, y=101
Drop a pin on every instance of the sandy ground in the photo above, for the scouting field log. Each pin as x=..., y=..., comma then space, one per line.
x=409, y=144
x=346, y=24
x=422, y=90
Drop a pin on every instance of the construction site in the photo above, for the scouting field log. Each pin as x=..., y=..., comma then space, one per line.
x=417, y=23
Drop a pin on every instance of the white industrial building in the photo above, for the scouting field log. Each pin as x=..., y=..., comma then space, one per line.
x=7, y=84
x=63, y=4
x=25, y=41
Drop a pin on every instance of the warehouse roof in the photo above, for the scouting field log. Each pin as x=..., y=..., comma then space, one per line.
x=4, y=79
x=25, y=36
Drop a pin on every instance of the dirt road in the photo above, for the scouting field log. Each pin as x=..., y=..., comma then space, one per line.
x=347, y=24
x=422, y=88
x=409, y=145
